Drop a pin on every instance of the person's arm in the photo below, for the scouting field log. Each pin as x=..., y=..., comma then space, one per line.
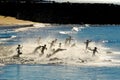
x=90, y=49
x=97, y=51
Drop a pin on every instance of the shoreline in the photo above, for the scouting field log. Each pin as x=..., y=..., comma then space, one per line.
x=7, y=21
x=11, y=21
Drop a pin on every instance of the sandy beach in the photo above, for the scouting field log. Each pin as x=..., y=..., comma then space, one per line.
x=7, y=20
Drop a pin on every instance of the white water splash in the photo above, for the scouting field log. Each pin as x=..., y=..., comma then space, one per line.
x=36, y=25
x=76, y=55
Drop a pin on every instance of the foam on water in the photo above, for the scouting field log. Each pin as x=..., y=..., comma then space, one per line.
x=72, y=55
x=76, y=55
x=36, y=25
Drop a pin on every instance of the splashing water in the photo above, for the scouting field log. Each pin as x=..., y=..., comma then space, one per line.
x=73, y=53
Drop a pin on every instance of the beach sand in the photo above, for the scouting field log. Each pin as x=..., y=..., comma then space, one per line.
x=7, y=20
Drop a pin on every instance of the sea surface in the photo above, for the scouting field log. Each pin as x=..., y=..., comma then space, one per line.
x=58, y=72
x=105, y=35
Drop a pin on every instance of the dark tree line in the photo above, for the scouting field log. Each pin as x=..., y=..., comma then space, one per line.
x=20, y=1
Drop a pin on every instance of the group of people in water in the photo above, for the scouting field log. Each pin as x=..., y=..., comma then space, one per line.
x=53, y=43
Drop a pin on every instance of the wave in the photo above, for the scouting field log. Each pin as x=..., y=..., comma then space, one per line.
x=74, y=30
x=5, y=39
x=36, y=25
x=65, y=32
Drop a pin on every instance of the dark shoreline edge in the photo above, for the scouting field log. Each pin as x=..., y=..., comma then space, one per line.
x=82, y=25
x=16, y=26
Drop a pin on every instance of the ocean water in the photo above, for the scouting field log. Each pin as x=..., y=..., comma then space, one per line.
x=58, y=72
x=102, y=67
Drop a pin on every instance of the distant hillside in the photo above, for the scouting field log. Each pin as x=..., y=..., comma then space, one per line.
x=63, y=13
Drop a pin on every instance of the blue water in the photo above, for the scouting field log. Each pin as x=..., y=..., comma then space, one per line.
x=58, y=72
x=98, y=34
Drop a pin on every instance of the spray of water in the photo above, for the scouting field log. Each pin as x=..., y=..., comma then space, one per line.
x=60, y=53
x=74, y=53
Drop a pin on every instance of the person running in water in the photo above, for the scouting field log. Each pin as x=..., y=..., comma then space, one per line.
x=52, y=44
x=60, y=44
x=19, y=50
x=43, y=49
x=68, y=40
x=94, y=50
x=87, y=43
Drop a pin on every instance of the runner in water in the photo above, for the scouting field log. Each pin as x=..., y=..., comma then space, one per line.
x=52, y=44
x=43, y=49
x=87, y=43
x=19, y=50
x=94, y=50
x=68, y=40
x=60, y=44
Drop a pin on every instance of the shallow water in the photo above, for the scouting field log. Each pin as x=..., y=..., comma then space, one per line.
x=58, y=72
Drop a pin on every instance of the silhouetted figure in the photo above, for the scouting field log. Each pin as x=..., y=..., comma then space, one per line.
x=43, y=49
x=87, y=43
x=69, y=40
x=60, y=44
x=52, y=44
x=66, y=41
x=94, y=50
x=19, y=50
x=55, y=51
